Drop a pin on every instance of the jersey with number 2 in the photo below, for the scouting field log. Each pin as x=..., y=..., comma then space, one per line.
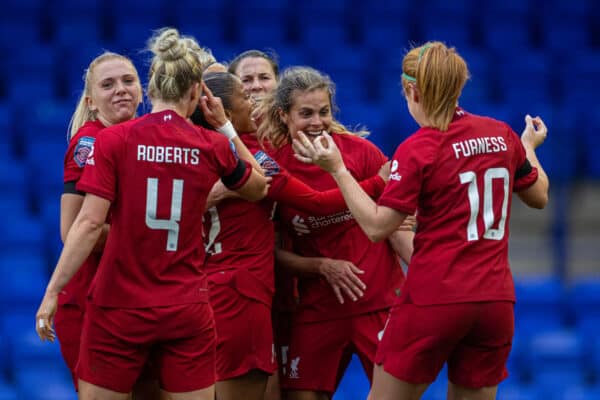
x=460, y=183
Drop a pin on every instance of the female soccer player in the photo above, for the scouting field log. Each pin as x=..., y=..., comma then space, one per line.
x=458, y=171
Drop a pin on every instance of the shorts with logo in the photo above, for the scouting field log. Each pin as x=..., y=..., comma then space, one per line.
x=117, y=342
x=474, y=338
x=68, y=323
x=244, y=333
x=319, y=352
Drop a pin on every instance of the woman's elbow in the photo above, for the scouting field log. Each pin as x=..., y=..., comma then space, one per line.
x=376, y=235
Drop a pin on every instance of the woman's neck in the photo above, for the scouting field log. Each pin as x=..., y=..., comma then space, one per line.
x=179, y=108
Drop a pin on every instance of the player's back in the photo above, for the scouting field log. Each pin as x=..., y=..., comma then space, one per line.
x=165, y=168
x=461, y=246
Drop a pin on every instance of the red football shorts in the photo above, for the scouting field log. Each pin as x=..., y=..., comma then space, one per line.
x=68, y=323
x=319, y=352
x=474, y=338
x=117, y=342
x=244, y=334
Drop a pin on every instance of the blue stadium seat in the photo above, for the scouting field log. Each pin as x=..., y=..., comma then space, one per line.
x=539, y=305
x=456, y=31
x=28, y=350
x=266, y=31
x=555, y=359
x=515, y=391
x=584, y=306
x=504, y=37
x=19, y=233
x=389, y=37
x=46, y=382
x=354, y=384
x=77, y=33
x=24, y=276
x=290, y=56
x=8, y=392
x=578, y=392
x=326, y=34
x=560, y=32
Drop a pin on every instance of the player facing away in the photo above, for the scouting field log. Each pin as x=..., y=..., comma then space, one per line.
x=458, y=172
x=149, y=295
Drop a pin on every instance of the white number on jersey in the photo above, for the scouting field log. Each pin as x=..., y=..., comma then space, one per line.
x=215, y=229
x=172, y=224
x=488, y=210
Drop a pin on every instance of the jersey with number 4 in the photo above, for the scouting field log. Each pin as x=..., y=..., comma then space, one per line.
x=157, y=171
x=460, y=183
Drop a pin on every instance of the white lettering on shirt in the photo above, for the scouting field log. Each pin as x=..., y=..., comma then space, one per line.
x=168, y=154
x=482, y=145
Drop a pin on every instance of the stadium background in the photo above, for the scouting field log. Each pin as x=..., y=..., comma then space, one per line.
x=525, y=56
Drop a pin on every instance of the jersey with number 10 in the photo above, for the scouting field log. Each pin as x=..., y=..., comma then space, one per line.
x=460, y=183
x=157, y=171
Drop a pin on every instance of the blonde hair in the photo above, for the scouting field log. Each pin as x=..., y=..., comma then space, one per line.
x=292, y=81
x=204, y=54
x=439, y=74
x=82, y=112
x=175, y=66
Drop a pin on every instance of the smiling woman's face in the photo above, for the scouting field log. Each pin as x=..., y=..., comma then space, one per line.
x=310, y=113
x=115, y=91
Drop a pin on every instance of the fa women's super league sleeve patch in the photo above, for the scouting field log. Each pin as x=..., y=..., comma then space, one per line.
x=82, y=150
x=269, y=165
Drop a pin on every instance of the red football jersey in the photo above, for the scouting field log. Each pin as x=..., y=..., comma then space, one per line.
x=157, y=171
x=460, y=183
x=80, y=145
x=338, y=236
x=239, y=235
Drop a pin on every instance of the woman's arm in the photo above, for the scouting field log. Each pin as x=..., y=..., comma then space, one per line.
x=535, y=132
x=70, y=204
x=80, y=241
x=341, y=274
x=378, y=222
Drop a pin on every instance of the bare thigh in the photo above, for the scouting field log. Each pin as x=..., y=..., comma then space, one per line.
x=250, y=386
x=387, y=387
x=457, y=392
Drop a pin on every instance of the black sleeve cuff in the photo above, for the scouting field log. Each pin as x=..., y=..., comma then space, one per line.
x=69, y=188
x=231, y=180
x=524, y=170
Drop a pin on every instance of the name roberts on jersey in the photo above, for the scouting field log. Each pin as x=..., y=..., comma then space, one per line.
x=482, y=145
x=168, y=154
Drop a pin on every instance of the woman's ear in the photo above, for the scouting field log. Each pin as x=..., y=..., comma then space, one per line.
x=228, y=114
x=90, y=104
x=282, y=116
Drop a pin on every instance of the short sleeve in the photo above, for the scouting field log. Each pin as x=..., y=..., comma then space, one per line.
x=100, y=172
x=406, y=176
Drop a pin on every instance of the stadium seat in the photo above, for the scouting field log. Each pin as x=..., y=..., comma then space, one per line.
x=354, y=384
x=24, y=277
x=8, y=392
x=515, y=391
x=555, y=359
x=584, y=305
x=539, y=306
x=47, y=382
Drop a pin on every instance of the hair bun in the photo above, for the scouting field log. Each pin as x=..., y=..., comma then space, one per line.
x=167, y=45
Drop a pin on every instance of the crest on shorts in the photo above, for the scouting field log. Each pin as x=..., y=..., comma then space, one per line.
x=269, y=165
x=83, y=149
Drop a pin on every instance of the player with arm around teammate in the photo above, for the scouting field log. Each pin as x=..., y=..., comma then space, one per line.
x=458, y=171
x=150, y=292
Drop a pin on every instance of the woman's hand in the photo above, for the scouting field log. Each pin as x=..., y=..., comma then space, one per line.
x=342, y=276
x=322, y=151
x=535, y=132
x=44, y=318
